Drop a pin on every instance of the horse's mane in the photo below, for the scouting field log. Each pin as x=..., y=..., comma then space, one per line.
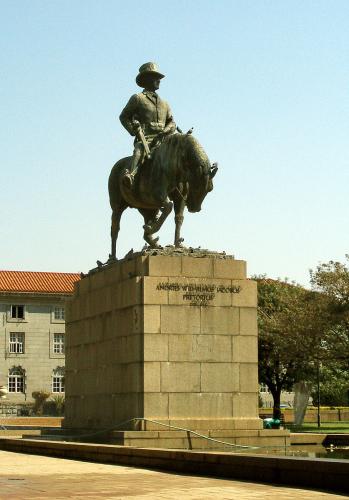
x=177, y=149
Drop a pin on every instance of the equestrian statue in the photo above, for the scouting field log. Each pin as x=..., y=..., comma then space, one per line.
x=168, y=169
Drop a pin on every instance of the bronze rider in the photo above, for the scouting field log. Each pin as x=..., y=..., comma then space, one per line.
x=147, y=115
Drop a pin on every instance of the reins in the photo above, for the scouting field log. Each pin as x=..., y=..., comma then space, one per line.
x=180, y=194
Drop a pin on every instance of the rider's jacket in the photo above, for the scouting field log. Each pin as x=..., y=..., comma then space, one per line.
x=151, y=111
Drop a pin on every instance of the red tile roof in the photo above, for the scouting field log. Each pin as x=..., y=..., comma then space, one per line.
x=37, y=282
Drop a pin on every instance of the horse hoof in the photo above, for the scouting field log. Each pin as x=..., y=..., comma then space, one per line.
x=178, y=243
x=153, y=242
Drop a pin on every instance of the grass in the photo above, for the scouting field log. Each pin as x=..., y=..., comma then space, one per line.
x=326, y=427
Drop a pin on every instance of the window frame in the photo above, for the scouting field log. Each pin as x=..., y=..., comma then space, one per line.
x=18, y=341
x=54, y=311
x=16, y=380
x=60, y=312
x=58, y=380
x=13, y=317
x=58, y=342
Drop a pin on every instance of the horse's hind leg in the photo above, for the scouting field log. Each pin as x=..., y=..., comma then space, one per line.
x=179, y=205
x=115, y=228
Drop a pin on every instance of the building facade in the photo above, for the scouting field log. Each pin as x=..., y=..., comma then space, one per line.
x=266, y=398
x=32, y=332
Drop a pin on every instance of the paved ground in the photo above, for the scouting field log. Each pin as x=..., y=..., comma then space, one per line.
x=33, y=476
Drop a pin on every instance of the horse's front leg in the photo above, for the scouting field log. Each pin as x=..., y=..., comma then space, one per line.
x=149, y=217
x=179, y=205
x=155, y=226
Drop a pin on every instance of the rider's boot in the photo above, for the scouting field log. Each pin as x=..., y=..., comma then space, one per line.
x=130, y=174
x=129, y=178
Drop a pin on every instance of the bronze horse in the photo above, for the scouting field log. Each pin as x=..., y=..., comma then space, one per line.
x=179, y=174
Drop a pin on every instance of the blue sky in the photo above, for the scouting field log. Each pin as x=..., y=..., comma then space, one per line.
x=265, y=85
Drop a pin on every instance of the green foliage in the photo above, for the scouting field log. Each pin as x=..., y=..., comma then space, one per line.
x=58, y=403
x=292, y=322
x=332, y=278
x=334, y=387
x=39, y=401
x=328, y=428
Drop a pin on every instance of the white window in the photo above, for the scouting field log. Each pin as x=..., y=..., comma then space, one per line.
x=16, y=379
x=17, y=312
x=17, y=343
x=59, y=313
x=58, y=380
x=58, y=343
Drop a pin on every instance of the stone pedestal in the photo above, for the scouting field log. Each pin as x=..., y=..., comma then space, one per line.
x=171, y=338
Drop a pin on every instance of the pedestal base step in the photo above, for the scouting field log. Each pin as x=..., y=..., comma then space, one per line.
x=201, y=439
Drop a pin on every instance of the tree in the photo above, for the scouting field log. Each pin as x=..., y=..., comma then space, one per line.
x=332, y=280
x=292, y=323
x=39, y=398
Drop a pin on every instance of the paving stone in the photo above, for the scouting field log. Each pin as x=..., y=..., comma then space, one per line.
x=30, y=477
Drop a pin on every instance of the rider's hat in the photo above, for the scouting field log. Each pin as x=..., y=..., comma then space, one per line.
x=149, y=68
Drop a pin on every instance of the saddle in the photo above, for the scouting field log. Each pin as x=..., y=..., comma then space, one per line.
x=130, y=186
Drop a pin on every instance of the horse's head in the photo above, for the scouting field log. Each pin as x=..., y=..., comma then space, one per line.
x=200, y=174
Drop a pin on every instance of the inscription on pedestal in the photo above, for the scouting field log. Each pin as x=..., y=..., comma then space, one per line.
x=197, y=294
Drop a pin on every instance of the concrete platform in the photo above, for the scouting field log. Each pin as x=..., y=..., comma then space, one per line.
x=32, y=421
x=36, y=477
x=307, y=438
x=19, y=432
x=160, y=437
x=325, y=474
